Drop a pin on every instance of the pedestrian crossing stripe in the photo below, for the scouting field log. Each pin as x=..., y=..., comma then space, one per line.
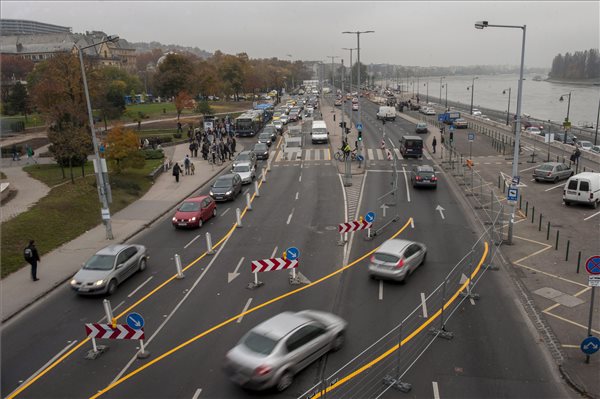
x=372, y=154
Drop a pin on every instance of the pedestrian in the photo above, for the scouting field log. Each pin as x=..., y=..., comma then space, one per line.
x=434, y=144
x=191, y=147
x=442, y=139
x=192, y=168
x=30, y=154
x=179, y=130
x=233, y=143
x=196, y=149
x=176, y=171
x=205, y=150
x=186, y=164
x=31, y=255
x=15, y=153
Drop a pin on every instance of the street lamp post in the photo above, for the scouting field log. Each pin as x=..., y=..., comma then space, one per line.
x=446, y=103
x=508, y=109
x=515, y=165
x=597, y=120
x=291, y=69
x=332, y=71
x=441, y=77
x=99, y=166
x=565, y=124
x=427, y=84
x=472, y=92
x=345, y=48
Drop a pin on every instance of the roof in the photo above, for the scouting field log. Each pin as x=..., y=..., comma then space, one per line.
x=112, y=249
x=394, y=246
x=196, y=199
x=280, y=325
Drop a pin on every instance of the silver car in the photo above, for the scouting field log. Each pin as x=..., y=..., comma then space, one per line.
x=271, y=353
x=246, y=172
x=552, y=171
x=108, y=268
x=397, y=259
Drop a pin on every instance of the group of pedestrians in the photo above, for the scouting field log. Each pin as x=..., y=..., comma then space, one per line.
x=16, y=154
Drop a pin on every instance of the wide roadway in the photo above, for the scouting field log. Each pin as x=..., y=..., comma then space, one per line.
x=298, y=206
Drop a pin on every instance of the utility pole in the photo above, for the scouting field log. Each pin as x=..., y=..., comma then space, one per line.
x=344, y=48
x=332, y=71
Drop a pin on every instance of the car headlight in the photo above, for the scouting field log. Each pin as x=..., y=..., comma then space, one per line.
x=228, y=192
x=74, y=282
x=99, y=283
x=211, y=193
x=193, y=219
x=174, y=219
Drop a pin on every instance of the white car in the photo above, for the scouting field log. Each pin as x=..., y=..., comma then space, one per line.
x=278, y=125
x=246, y=172
x=585, y=145
x=430, y=111
x=355, y=107
x=284, y=119
x=596, y=149
x=476, y=112
x=533, y=130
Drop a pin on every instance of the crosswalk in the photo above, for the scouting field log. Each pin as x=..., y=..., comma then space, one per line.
x=317, y=154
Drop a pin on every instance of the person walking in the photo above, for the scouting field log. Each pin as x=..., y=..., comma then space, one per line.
x=32, y=257
x=30, y=154
x=186, y=164
x=15, y=153
x=233, y=143
x=176, y=171
x=434, y=144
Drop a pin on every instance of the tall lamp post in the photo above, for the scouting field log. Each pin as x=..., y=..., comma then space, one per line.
x=472, y=87
x=446, y=87
x=345, y=48
x=358, y=33
x=441, y=77
x=508, y=109
x=566, y=123
x=597, y=120
x=291, y=69
x=99, y=164
x=332, y=71
x=427, y=84
x=515, y=165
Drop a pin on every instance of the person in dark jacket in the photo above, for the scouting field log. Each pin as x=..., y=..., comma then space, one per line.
x=176, y=171
x=32, y=257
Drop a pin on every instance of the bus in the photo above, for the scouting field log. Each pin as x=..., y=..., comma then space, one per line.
x=247, y=124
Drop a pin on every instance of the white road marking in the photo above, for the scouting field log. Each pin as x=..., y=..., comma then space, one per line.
x=239, y=320
x=380, y=290
x=232, y=276
x=436, y=390
x=552, y=188
x=424, y=305
x=297, y=195
x=274, y=252
x=226, y=210
x=591, y=216
x=300, y=178
x=525, y=170
x=472, y=301
x=406, y=182
x=246, y=191
x=139, y=287
x=197, y=393
x=290, y=217
x=190, y=243
x=59, y=354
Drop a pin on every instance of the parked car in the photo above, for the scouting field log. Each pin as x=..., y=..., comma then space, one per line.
x=355, y=107
x=552, y=171
x=533, y=130
x=338, y=102
x=246, y=171
x=583, y=188
x=460, y=123
x=430, y=111
x=261, y=150
x=560, y=137
x=108, y=268
x=245, y=156
x=476, y=112
x=226, y=187
x=421, y=127
x=585, y=145
x=423, y=176
x=270, y=354
x=595, y=149
x=193, y=212
x=265, y=138
x=396, y=259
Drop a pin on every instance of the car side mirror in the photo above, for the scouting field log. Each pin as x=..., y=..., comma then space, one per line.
x=120, y=265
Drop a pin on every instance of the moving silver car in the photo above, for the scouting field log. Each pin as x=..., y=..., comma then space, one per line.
x=552, y=171
x=397, y=259
x=271, y=353
x=108, y=268
x=246, y=172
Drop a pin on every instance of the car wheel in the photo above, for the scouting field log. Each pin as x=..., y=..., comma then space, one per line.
x=595, y=205
x=112, y=287
x=214, y=214
x=537, y=180
x=567, y=203
x=200, y=223
x=572, y=173
x=285, y=381
x=142, y=265
x=556, y=180
x=338, y=342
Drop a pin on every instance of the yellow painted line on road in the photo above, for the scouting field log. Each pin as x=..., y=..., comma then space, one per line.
x=254, y=309
x=570, y=346
x=409, y=337
x=570, y=322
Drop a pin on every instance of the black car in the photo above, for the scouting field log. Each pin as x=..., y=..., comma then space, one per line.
x=226, y=187
x=265, y=138
x=272, y=130
x=261, y=150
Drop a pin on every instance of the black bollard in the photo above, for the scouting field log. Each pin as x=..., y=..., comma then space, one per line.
x=540, y=224
x=548, y=232
x=567, y=252
x=578, y=261
x=557, y=235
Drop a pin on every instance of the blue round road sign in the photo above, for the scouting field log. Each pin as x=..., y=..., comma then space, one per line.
x=592, y=265
x=135, y=321
x=590, y=345
x=292, y=253
x=370, y=217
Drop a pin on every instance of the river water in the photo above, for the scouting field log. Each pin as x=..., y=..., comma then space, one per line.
x=540, y=98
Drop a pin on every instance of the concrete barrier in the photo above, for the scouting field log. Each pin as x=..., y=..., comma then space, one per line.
x=4, y=190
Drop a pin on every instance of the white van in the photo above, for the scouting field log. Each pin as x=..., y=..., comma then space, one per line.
x=386, y=113
x=319, y=133
x=583, y=188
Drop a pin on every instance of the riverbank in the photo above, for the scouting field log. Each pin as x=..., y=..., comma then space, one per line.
x=579, y=82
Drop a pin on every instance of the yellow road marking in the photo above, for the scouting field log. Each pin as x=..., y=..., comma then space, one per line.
x=570, y=322
x=570, y=346
x=251, y=310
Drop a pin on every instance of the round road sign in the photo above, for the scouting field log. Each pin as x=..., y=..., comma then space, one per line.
x=135, y=321
x=370, y=217
x=590, y=345
x=292, y=253
x=592, y=265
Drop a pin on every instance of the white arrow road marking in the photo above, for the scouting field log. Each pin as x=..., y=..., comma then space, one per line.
x=197, y=393
x=383, y=208
x=406, y=182
x=441, y=210
x=239, y=320
x=463, y=279
x=232, y=276
x=380, y=290
x=297, y=195
x=139, y=287
x=436, y=390
x=424, y=305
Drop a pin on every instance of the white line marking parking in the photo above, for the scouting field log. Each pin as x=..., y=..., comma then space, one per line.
x=197, y=393
x=139, y=287
x=436, y=390
x=591, y=216
x=190, y=243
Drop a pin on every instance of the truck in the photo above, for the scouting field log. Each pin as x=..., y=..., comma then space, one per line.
x=386, y=113
x=448, y=117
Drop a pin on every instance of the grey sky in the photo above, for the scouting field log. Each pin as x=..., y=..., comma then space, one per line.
x=406, y=33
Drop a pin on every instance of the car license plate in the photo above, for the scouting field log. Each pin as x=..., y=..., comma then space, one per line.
x=84, y=289
x=182, y=224
x=571, y=192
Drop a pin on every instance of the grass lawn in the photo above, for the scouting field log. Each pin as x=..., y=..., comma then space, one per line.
x=155, y=110
x=51, y=175
x=68, y=211
x=2, y=176
x=33, y=120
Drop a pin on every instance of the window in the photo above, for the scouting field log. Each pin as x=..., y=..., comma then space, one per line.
x=584, y=185
x=572, y=185
x=259, y=343
x=303, y=336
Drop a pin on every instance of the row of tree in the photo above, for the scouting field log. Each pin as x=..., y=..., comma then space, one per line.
x=579, y=65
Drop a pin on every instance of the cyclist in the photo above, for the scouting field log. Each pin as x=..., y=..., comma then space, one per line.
x=347, y=149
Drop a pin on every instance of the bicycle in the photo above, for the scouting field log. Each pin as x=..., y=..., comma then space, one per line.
x=340, y=156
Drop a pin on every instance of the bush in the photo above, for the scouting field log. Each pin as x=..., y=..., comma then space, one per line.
x=154, y=154
x=177, y=135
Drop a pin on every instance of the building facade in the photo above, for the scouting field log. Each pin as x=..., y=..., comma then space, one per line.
x=12, y=27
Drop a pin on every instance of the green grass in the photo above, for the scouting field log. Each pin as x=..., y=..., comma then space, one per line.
x=51, y=175
x=3, y=176
x=33, y=120
x=68, y=211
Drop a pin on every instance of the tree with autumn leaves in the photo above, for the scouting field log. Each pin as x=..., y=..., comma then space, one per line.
x=122, y=149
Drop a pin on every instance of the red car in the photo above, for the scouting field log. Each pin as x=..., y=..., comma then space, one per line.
x=193, y=212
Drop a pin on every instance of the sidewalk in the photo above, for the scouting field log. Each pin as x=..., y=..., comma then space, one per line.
x=17, y=291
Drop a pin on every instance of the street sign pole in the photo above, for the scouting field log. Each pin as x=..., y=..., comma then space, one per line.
x=589, y=331
x=592, y=266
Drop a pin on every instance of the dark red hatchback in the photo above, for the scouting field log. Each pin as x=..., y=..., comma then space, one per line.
x=193, y=212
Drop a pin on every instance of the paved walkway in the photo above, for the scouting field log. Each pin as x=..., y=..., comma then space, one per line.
x=17, y=291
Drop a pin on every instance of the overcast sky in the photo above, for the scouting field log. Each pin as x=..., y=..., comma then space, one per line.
x=406, y=33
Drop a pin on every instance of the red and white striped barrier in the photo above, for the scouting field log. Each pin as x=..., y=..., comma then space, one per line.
x=353, y=226
x=106, y=331
x=269, y=265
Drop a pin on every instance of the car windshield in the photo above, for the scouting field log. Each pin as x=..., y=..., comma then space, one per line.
x=241, y=168
x=386, y=258
x=189, y=207
x=259, y=343
x=243, y=157
x=264, y=136
x=222, y=183
x=100, y=262
x=260, y=147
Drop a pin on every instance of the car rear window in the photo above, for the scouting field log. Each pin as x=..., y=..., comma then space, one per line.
x=189, y=206
x=259, y=343
x=241, y=168
x=381, y=257
x=572, y=185
x=426, y=175
x=584, y=185
x=414, y=144
x=545, y=167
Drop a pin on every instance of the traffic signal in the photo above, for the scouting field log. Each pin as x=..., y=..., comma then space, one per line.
x=347, y=130
x=359, y=136
x=451, y=136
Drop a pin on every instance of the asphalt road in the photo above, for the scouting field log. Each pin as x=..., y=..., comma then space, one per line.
x=300, y=205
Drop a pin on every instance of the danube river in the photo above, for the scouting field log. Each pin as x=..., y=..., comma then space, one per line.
x=540, y=98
